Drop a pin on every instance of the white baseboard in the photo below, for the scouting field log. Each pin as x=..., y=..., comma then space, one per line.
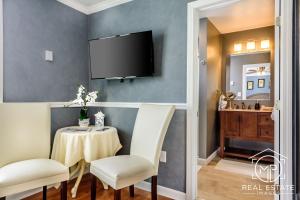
x=202, y=161
x=163, y=191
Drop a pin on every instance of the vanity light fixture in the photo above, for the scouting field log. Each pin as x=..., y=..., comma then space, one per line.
x=265, y=44
x=251, y=45
x=238, y=47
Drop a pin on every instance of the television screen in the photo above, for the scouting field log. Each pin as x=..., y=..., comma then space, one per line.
x=122, y=56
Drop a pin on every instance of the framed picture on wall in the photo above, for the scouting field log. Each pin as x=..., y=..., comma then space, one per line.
x=261, y=83
x=250, y=85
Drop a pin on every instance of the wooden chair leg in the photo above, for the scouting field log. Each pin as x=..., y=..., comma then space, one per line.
x=93, y=187
x=131, y=190
x=64, y=190
x=117, y=195
x=154, y=188
x=45, y=193
x=2, y=198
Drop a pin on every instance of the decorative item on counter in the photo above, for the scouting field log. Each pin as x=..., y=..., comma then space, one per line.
x=249, y=107
x=237, y=106
x=243, y=106
x=83, y=98
x=99, y=120
x=222, y=102
x=266, y=108
x=230, y=96
x=257, y=106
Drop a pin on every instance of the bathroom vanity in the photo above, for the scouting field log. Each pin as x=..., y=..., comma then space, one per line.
x=249, y=125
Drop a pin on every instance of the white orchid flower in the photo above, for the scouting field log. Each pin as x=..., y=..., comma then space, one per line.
x=91, y=97
x=82, y=97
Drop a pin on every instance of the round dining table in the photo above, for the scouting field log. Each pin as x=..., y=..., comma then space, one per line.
x=75, y=147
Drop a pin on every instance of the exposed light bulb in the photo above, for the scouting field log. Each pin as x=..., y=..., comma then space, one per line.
x=251, y=45
x=237, y=47
x=265, y=44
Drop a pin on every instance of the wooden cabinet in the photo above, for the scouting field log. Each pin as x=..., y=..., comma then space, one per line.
x=232, y=124
x=244, y=125
x=248, y=124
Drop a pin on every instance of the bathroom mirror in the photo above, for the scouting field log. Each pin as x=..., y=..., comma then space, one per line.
x=249, y=76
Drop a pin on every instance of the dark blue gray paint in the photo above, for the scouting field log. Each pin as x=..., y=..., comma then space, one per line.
x=63, y=117
x=167, y=19
x=171, y=173
x=30, y=28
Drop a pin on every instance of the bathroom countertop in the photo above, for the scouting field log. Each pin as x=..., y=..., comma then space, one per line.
x=246, y=110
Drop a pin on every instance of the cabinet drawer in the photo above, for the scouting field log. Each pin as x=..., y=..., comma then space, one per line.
x=264, y=119
x=266, y=132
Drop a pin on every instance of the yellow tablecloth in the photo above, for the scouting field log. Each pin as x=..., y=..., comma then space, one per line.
x=71, y=146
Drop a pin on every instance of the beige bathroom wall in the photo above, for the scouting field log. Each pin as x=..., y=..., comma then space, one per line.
x=228, y=41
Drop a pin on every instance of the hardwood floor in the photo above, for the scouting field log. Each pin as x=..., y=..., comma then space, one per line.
x=84, y=192
x=216, y=184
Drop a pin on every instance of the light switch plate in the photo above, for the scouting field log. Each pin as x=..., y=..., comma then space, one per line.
x=163, y=156
x=49, y=55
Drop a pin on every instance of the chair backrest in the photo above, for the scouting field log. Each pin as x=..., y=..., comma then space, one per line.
x=24, y=131
x=150, y=129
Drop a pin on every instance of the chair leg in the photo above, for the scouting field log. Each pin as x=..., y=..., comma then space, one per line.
x=93, y=187
x=131, y=190
x=64, y=190
x=117, y=195
x=45, y=193
x=2, y=198
x=154, y=188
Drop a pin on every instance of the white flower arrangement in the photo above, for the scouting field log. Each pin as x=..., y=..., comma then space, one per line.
x=83, y=98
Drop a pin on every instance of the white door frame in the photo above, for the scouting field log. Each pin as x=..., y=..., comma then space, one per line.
x=1, y=52
x=285, y=103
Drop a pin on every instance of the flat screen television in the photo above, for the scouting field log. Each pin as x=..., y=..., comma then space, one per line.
x=124, y=56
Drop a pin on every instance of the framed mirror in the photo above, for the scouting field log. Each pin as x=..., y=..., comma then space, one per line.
x=249, y=76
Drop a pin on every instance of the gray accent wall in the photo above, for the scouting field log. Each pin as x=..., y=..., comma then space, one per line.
x=168, y=21
x=30, y=28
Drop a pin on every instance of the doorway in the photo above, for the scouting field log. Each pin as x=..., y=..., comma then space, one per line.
x=195, y=10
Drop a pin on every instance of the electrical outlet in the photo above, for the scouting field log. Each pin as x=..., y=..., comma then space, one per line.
x=163, y=156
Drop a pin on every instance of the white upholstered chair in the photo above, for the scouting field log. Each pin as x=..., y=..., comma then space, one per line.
x=25, y=149
x=122, y=171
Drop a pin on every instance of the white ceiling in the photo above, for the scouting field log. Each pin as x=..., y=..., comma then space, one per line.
x=88, y=2
x=241, y=15
x=92, y=6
